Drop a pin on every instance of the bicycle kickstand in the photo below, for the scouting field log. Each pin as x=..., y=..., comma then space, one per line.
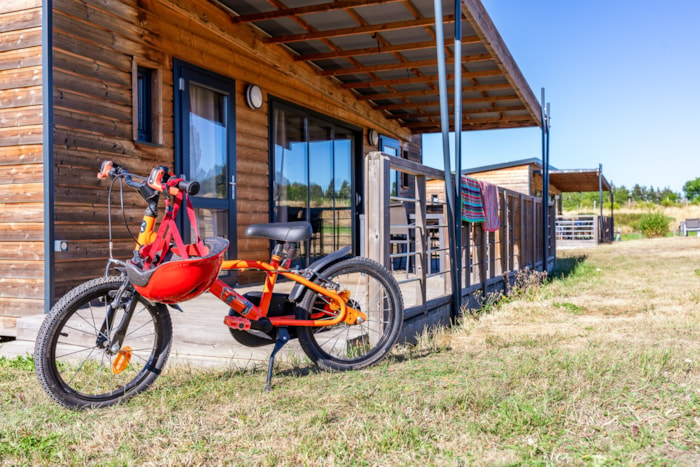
x=282, y=338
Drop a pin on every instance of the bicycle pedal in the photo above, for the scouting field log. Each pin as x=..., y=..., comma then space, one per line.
x=238, y=323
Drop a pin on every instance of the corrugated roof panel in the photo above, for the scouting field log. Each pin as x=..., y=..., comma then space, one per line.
x=280, y=27
x=337, y=37
x=407, y=36
x=309, y=47
x=385, y=13
x=246, y=7
x=376, y=59
x=329, y=20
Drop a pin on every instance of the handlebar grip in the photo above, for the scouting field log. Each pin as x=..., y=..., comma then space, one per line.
x=189, y=187
x=105, y=169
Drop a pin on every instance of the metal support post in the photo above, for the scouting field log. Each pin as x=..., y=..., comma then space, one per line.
x=445, y=125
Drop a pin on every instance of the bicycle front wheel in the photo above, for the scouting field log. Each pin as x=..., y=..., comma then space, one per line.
x=78, y=361
x=369, y=288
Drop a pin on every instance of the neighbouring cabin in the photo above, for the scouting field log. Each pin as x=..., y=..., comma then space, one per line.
x=272, y=109
x=524, y=176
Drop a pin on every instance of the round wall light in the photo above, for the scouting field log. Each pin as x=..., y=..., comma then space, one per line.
x=373, y=137
x=254, y=96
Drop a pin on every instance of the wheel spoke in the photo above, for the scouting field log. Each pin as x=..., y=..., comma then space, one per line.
x=80, y=367
x=76, y=352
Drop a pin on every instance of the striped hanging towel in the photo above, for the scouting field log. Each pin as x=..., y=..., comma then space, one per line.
x=472, y=204
x=489, y=194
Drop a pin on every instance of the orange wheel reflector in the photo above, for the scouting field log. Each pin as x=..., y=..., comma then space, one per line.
x=345, y=295
x=121, y=361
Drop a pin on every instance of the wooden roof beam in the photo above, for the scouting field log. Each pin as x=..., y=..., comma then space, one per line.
x=416, y=79
x=429, y=92
x=470, y=121
x=474, y=127
x=406, y=116
x=323, y=7
x=400, y=65
x=418, y=105
x=376, y=50
x=369, y=29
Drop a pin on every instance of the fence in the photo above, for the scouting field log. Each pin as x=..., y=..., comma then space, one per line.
x=583, y=230
x=414, y=245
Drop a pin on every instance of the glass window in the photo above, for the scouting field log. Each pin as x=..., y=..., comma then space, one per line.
x=390, y=146
x=144, y=99
x=208, y=141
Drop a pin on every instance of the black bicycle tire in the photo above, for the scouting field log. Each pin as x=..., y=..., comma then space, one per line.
x=47, y=339
x=306, y=335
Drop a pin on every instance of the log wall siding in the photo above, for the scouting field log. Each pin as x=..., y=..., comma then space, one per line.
x=21, y=157
x=95, y=44
x=514, y=178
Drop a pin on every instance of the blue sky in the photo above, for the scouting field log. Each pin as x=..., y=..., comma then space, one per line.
x=622, y=78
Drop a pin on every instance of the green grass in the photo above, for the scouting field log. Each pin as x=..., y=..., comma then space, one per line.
x=598, y=366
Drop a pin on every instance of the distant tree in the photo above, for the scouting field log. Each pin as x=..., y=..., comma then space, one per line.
x=344, y=192
x=668, y=197
x=692, y=189
x=316, y=194
x=622, y=194
x=638, y=193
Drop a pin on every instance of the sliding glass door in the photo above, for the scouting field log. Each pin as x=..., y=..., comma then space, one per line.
x=313, y=160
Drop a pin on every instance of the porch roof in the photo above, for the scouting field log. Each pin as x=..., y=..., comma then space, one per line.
x=384, y=51
x=579, y=180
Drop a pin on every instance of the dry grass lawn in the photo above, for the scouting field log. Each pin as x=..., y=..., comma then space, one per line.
x=600, y=366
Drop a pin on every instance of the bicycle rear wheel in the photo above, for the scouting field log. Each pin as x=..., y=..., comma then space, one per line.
x=77, y=361
x=373, y=291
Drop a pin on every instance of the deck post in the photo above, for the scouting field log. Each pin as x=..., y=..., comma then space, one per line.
x=533, y=213
x=422, y=242
x=482, y=255
x=523, y=260
x=377, y=221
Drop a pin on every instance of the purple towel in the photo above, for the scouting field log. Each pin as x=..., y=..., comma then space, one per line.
x=489, y=194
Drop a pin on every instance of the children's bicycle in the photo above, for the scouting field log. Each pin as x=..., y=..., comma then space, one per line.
x=109, y=338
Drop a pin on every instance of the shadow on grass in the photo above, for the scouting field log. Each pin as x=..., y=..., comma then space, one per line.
x=567, y=266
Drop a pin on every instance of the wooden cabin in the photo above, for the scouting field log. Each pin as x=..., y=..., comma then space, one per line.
x=271, y=108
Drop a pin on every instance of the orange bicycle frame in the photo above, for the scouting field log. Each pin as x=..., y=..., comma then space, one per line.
x=272, y=270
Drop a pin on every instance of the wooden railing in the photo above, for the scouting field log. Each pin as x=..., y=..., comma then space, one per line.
x=489, y=259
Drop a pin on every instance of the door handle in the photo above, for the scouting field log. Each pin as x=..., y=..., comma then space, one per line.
x=233, y=186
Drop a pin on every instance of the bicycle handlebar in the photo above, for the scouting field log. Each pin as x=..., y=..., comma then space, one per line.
x=157, y=180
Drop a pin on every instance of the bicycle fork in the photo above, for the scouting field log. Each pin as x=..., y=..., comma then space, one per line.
x=115, y=342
